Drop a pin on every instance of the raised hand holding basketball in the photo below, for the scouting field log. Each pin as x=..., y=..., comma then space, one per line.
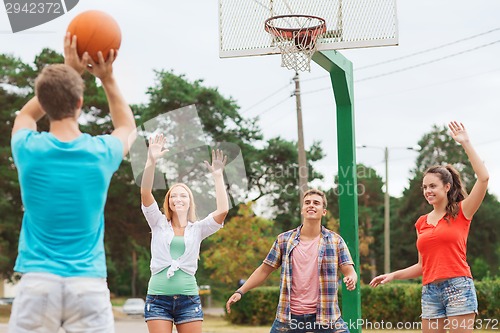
x=103, y=69
x=71, y=57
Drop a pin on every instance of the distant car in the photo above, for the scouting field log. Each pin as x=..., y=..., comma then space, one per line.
x=134, y=306
x=6, y=300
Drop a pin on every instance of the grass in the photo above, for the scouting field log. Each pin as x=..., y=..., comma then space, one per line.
x=212, y=324
x=118, y=301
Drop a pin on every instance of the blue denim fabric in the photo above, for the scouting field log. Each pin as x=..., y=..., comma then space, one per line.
x=178, y=309
x=307, y=323
x=452, y=297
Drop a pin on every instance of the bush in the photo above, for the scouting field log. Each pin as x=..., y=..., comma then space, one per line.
x=395, y=302
x=488, y=298
x=391, y=303
x=257, y=307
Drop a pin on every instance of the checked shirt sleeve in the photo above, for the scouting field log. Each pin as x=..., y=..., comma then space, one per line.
x=343, y=253
x=274, y=256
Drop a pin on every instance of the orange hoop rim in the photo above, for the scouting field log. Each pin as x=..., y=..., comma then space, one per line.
x=290, y=33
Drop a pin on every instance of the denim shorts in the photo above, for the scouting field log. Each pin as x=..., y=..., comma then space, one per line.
x=307, y=323
x=452, y=297
x=178, y=309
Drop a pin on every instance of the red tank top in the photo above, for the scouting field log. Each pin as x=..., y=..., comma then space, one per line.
x=443, y=247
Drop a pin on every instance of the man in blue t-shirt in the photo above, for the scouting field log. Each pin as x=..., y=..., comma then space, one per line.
x=64, y=176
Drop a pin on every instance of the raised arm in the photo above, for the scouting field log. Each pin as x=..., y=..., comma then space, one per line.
x=217, y=170
x=121, y=114
x=471, y=204
x=28, y=116
x=155, y=151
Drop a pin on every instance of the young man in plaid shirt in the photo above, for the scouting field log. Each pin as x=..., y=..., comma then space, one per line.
x=310, y=257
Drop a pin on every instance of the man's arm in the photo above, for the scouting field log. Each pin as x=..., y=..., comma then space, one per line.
x=28, y=116
x=350, y=276
x=256, y=279
x=121, y=114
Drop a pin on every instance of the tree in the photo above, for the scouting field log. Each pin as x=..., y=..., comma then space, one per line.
x=271, y=171
x=16, y=81
x=370, y=218
x=126, y=230
x=239, y=248
x=276, y=172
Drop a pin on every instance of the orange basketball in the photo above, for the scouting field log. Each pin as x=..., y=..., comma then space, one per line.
x=95, y=31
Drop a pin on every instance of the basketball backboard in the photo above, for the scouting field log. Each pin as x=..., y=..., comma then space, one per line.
x=349, y=24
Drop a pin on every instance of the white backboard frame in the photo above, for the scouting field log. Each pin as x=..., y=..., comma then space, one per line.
x=350, y=24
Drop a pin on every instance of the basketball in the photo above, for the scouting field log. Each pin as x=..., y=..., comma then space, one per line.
x=95, y=31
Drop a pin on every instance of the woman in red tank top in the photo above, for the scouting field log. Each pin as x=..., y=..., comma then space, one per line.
x=448, y=295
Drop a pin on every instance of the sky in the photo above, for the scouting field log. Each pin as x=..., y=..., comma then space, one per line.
x=444, y=68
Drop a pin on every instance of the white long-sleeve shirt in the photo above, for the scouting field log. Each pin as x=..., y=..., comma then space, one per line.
x=162, y=235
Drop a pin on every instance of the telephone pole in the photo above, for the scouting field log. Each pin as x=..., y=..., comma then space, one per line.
x=303, y=172
x=387, y=217
x=387, y=205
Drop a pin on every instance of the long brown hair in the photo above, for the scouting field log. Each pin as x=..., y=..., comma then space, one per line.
x=449, y=175
x=192, y=207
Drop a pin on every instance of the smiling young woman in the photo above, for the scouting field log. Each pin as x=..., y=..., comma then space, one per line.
x=448, y=292
x=173, y=296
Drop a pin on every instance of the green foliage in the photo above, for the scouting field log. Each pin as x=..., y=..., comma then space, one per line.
x=16, y=79
x=126, y=229
x=488, y=292
x=480, y=269
x=239, y=248
x=257, y=307
x=271, y=171
x=484, y=236
x=370, y=219
x=391, y=303
x=394, y=302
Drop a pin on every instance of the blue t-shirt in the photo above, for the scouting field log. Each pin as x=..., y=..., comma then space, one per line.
x=63, y=188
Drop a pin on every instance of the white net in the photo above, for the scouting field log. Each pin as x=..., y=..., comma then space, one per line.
x=296, y=36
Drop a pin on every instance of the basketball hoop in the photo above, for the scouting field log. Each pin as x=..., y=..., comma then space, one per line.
x=296, y=36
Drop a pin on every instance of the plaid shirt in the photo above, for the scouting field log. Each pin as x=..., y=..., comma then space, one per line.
x=332, y=254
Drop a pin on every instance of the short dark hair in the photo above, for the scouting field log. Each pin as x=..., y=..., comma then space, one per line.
x=59, y=88
x=318, y=192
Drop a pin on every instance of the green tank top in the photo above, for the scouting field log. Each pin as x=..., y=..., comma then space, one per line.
x=181, y=283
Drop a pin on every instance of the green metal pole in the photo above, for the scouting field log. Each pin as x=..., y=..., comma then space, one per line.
x=341, y=75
